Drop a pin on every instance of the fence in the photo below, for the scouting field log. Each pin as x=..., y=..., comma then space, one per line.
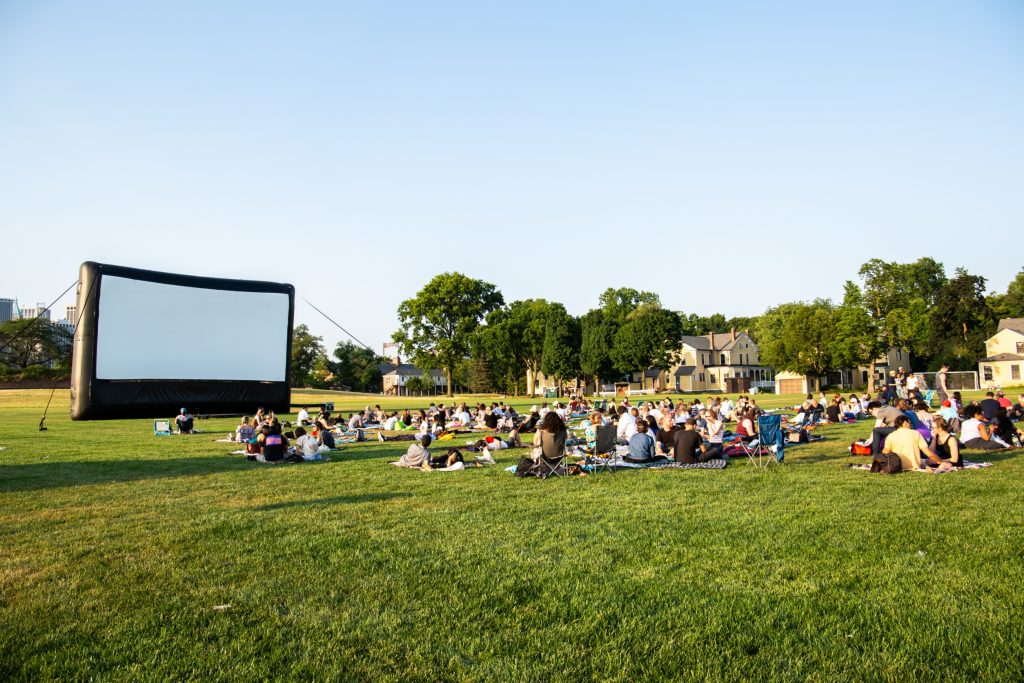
x=960, y=380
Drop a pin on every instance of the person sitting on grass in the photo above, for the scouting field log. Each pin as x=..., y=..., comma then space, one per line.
x=976, y=434
x=590, y=432
x=625, y=427
x=908, y=444
x=641, y=446
x=244, y=433
x=273, y=445
x=944, y=443
x=714, y=430
x=689, y=447
x=746, y=427
x=1016, y=411
x=1004, y=429
x=452, y=460
x=417, y=454
x=307, y=445
x=185, y=422
x=666, y=439
x=885, y=423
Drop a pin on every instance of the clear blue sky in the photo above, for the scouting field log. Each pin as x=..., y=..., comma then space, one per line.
x=727, y=155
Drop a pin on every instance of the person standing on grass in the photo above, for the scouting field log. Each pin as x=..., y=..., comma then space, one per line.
x=941, y=382
x=908, y=444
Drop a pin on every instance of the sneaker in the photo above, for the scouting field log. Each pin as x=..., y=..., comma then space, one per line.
x=381, y=437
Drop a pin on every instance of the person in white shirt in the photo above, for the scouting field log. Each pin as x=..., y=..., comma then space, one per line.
x=463, y=418
x=626, y=427
x=306, y=445
x=561, y=411
x=726, y=409
x=391, y=422
x=303, y=417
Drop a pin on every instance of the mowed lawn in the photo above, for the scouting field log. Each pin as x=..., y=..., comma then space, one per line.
x=129, y=556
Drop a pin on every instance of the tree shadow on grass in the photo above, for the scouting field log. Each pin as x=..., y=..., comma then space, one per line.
x=336, y=500
x=38, y=476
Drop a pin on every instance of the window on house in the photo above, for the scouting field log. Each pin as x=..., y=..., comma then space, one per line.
x=865, y=376
x=899, y=354
x=988, y=373
x=712, y=379
x=702, y=377
x=1020, y=347
x=722, y=356
x=1014, y=372
x=702, y=361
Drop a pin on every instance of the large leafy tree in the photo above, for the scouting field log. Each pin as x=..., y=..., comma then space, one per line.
x=1011, y=303
x=856, y=341
x=597, y=337
x=307, y=348
x=561, y=357
x=438, y=323
x=357, y=367
x=899, y=296
x=28, y=342
x=799, y=337
x=618, y=304
x=960, y=321
x=650, y=336
x=496, y=355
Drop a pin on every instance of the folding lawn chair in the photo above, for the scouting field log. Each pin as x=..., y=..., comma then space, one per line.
x=929, y=396
x=604, y=447
x=769, y=433
x=162, y=427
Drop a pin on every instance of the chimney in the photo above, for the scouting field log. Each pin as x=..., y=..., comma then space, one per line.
x=732, y=331
x=711, y=338
x=396, y=361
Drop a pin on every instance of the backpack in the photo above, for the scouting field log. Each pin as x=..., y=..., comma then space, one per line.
x=886, y=463
x=858, y=448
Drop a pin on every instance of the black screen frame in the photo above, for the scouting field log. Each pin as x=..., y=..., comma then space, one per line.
x=105, y=399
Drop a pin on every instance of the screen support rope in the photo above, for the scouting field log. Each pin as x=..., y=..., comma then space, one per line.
x=53, y=389
x=337, y=325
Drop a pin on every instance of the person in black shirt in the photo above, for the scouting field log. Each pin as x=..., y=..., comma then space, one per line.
x=666, y=438
x=491, y=419
x=989, y=406
x=689, y=446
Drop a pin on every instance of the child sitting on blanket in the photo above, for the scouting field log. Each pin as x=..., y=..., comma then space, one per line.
x=244, y=433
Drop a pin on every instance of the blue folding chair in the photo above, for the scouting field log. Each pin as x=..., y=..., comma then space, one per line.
x=769, y=433
x=162, y=427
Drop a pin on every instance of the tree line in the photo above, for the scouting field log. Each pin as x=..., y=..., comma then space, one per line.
x=464, y=327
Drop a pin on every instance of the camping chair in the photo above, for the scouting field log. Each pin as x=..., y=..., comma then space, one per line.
x=558, y=467
x=604, y=447
x=929, y=396
x=162, y=427
x=769, y=433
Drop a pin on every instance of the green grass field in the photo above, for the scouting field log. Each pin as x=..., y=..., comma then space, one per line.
x=118, y=547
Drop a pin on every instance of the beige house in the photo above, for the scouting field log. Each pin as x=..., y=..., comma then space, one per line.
x=1004, y=355
x=719, y=363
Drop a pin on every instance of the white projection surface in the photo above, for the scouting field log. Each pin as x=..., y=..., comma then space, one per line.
x=151, y=330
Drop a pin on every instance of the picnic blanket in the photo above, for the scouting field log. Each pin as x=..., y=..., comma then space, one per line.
x=968, y=465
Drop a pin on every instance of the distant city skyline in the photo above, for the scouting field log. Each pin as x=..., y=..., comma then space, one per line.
x=728, y=156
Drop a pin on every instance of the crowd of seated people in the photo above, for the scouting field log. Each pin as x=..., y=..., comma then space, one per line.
x=955, y=427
